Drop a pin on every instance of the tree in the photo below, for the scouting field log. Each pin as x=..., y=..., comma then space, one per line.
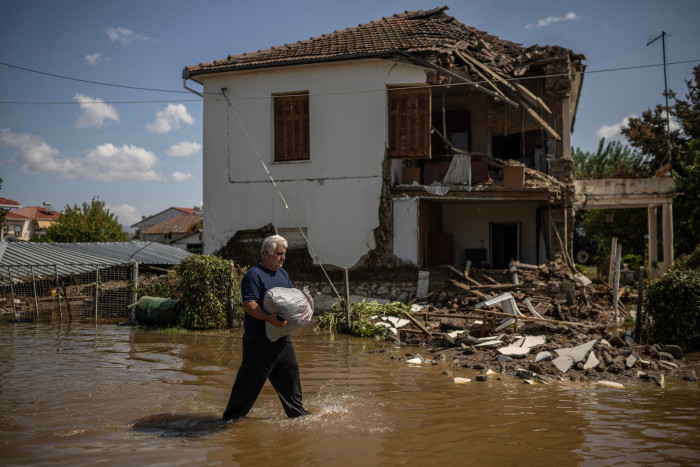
x=89, y=223
x=614, y=160
x=3, y=212
x=598, y=226
x=648, y=135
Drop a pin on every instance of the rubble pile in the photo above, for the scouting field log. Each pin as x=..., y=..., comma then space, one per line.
x=540, y=323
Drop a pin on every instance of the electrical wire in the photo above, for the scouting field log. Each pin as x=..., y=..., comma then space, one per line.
x=482, y=82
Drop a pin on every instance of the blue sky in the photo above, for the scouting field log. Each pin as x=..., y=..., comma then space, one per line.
x=140, y=151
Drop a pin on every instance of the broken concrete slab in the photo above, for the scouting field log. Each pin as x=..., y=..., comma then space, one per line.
x=504, y=358
x=543, y=356
x=592, y=361
x=459, y=380
x=610, y=384
x=490, y=344
x=563, y=363
x=514, y=351
x=631, y=361
x=533, y=341
x=396, y=322
x=578, y=353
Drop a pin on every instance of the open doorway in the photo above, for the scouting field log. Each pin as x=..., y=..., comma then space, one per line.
x=505, y=243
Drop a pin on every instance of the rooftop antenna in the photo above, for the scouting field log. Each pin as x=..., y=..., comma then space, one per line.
x=668, y=112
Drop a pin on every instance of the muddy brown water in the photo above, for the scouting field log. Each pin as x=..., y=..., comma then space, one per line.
x=82, y=394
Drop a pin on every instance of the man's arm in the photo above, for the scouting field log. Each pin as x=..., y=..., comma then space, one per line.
x=256, y=311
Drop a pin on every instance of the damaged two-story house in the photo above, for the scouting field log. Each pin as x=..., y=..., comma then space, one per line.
x=413, y=137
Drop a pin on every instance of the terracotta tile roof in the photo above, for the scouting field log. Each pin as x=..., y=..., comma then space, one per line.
x=8, y=202
x=188, y=210
x=417, y=32
x=33, y=212
x=184, y=224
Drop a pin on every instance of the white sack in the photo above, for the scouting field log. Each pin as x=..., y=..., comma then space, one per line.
x=293, y=305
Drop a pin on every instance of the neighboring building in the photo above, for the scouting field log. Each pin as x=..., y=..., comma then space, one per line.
x=23, y=223
x=9, y=204
x=359, y=128
x=183, y=231
x=149, y=221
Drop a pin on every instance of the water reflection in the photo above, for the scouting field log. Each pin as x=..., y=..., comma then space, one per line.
x=170, y=425
x=75, y=394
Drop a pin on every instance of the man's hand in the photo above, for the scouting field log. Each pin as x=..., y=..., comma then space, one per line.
x=277, y=320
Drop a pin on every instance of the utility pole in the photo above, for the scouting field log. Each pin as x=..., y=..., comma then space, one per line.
x=668, y=112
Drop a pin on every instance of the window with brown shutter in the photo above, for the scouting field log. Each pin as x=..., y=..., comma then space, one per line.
x=409, y=123
x=291, y=115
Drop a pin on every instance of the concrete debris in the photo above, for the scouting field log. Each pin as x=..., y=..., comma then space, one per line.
x=691, y=376
x=611, y=384
x=554, y=323
x=563, y=363
x=543, y=356
x=459, y=380
x=578, y=353
x=592, y=362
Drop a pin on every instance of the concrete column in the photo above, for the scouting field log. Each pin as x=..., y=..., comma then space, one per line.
x=667, y=232
x=653, y=250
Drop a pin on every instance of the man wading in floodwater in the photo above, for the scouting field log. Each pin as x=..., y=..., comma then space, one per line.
x=263, y=359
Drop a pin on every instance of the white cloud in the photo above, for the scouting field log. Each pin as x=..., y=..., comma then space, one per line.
x=169, y=119
x=126, y=35
x=34, y=154
x=544, y=22
x=105, y=162
x=126, y=213
x=613, y=131
x=95, y=112
x=93, y=59
x=184, y=149
x=179, y=177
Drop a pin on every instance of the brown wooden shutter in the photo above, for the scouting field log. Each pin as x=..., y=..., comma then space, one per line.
x=409, y=123
x=291, y=117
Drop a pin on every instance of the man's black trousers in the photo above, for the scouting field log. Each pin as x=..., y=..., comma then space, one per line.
x=262, y=360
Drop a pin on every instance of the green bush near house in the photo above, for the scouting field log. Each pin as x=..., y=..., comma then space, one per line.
x=672, y=309
x=207, y=288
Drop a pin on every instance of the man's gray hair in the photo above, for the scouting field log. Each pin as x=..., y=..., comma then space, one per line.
x=270, y=244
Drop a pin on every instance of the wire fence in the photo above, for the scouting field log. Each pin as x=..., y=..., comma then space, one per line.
x=72, y=292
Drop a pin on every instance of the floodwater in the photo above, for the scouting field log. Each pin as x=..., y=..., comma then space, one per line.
x=82, y=394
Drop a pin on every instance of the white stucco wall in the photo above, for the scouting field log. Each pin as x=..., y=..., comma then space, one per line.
x=469, y=223
x=405, y=216
x=336, y=194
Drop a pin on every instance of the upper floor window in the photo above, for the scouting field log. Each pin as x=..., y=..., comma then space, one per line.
x=409, y=122
x=291, y=126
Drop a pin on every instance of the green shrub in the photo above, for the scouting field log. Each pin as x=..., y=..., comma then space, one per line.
x=360, y=314
x=672, y=308
x=209, y=286
x=164, y=286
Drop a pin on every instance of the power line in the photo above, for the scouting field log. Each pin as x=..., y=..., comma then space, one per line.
x=91, y=82
x=482, y=82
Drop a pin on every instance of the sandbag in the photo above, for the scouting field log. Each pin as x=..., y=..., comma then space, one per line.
x=293, y=305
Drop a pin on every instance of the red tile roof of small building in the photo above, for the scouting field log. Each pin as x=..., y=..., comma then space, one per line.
x=33, y=212
x=8, y=202
x=184, y=223
x=418, y=32
x=188, y=210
